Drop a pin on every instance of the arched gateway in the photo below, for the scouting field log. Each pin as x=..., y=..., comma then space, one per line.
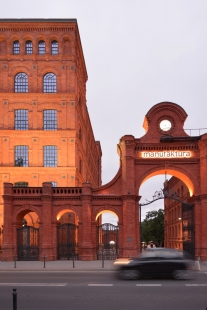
x=165, y=148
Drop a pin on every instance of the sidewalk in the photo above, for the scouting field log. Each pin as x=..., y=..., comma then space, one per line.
x=60, y=265
x=67, y=265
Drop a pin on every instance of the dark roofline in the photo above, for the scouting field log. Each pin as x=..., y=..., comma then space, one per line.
x=43, y=20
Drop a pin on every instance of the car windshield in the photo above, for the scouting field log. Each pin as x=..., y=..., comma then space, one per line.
x=162, y=253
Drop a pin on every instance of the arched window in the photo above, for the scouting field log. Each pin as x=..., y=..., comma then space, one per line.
x=49, y=83
x=41, y=47
x=21, y=83
x=50, y=120
x=28, y=47
x=50, y=156
x=54, y=47
x=16, y=47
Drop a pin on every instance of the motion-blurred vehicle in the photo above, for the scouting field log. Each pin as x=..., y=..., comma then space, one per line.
x=157, y=262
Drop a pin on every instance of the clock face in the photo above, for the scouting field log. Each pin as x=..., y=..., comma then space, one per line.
x=165, y=125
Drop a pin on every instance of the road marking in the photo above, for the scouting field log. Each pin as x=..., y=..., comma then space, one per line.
x=100, y=284
x=148, y=284
x=205, y=272
x=33, y=284
x=195, y=284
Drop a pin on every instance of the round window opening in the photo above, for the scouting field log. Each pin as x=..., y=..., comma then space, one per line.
x=165, y=125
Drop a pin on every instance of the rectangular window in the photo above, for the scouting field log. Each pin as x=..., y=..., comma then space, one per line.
x=50, y=120
x=21, y=120
x=50, y=156
x=21, y=156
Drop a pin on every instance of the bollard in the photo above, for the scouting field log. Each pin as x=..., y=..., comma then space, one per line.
x=15, y=261
x=44, y=261
x=73, y=262
x=102, y=261
x=14, y=299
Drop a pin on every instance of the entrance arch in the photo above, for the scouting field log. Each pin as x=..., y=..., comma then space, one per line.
x=27, y=232
x=67, y=235
x=184, y=176
x=107, y=238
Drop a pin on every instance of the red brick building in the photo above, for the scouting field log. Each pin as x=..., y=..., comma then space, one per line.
x=45, y=129
x=173, y=214
x=47, y=139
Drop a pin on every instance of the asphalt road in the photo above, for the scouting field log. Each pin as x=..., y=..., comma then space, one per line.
x=99, y=290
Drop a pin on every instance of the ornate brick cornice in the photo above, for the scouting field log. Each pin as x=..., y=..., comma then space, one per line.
x=36, y=29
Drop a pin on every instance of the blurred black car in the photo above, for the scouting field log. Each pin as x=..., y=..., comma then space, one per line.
x=157, y=262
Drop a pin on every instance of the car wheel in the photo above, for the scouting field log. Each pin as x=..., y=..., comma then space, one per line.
x=182, y=275
x=129, y=274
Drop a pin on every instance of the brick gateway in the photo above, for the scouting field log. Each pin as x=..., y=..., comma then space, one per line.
x=165, y=148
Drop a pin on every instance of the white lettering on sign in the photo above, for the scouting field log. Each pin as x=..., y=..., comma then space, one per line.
x=167, y=154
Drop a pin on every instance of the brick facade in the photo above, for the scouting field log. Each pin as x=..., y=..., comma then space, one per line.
x=78, y=154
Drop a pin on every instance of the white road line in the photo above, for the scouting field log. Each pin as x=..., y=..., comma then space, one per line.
x=148, y=284
x=33, y=284
x=205, y=272
x=195, y=284
x=100, y=284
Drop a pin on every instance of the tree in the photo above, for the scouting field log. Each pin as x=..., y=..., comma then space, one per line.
x=152, y=228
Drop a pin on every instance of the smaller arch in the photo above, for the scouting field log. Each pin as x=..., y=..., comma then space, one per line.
x=21, y=83
x=28, y=47
x=16, y=47
x=54, y=47
x=49, y=83
x=41, y=47
x=3, y=47
x=105, y=211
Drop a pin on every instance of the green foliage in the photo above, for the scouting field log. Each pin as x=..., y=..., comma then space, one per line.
x=152, y=227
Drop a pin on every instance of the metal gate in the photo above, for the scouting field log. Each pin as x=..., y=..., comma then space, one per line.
x=28, y=243
x=188, y=228
x=107, y=241
x=67, y=241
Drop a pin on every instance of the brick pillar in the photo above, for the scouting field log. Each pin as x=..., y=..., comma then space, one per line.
x=46, y=246
x=86, y=246
x=201, y=208
x=8, y=240
x=94, y=239
x=131, y=241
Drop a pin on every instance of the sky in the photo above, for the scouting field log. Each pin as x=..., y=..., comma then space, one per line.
x=138, y=53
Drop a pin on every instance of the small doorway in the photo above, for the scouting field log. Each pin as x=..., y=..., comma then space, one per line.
x=28, y=243
x=67, y=241
x=107, y=242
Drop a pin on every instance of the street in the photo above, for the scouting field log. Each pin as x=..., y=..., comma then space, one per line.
x=78, y=290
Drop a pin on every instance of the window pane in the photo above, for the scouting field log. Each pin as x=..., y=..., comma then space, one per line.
x=49, y=83
x=21, y=83
x=41, y=48
x=54, y=46
x=21, y=119
x=28, y=47
x=16, y=47
x=50, y=120
x=21, y=156
x=50, y=156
